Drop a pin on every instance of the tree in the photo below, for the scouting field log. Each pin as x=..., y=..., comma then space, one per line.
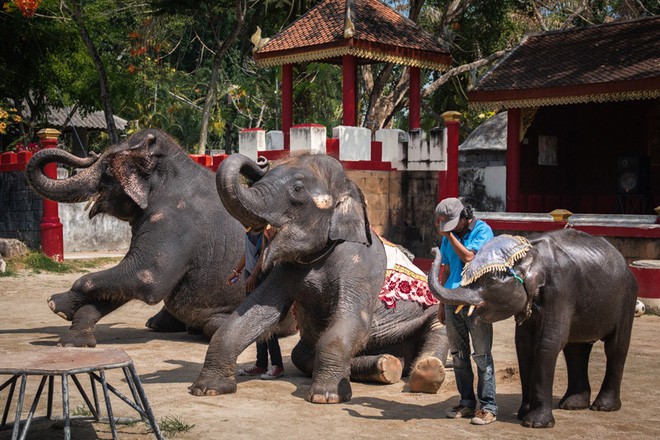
x=77, y=12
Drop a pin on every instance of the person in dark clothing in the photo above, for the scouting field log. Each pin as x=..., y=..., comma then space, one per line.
x=255, y=243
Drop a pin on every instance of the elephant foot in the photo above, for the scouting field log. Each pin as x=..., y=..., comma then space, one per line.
x=427, y=376
x=323, y=394
x=163, y=321
x=389, y=368
x=606, y=403
x=523, y=411
x=575, y=401
x=539, y=419
x=77, y=339
x=66, y=304
x=213, y=386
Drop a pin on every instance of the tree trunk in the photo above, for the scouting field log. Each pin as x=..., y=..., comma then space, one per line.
x=77, y=14
x=221, y=50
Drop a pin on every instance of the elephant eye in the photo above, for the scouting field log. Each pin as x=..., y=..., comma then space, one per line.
x=298, y=186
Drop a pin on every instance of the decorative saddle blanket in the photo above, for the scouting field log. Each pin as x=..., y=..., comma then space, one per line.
x=403, y=280
x=497, y=255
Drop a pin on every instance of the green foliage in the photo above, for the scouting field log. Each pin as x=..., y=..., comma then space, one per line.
x=171, y=426
x=158, y=57
x=37, y=262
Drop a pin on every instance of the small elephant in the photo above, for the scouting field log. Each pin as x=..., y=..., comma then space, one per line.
x=567, y=290
x=327, y=260
x=184, y=242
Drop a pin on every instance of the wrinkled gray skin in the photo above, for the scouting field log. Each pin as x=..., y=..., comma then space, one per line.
x=184, y=242
x=325, y=258
x=577, y=290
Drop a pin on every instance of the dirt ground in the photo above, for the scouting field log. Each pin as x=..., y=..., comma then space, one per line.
x=168, y=363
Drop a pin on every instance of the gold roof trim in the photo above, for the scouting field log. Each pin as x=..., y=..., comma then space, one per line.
x=350, y=50
x=562, y=100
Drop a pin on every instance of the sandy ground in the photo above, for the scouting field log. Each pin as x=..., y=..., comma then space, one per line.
x=168, y=363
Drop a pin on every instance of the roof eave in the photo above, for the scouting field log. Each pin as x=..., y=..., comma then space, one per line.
x=361, y=48
x=579, y=94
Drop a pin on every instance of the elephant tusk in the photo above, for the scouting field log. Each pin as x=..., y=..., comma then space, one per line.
x=458, y=309
x=90, y=202
x=471, y=310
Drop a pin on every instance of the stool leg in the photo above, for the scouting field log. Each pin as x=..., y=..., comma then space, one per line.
x=136, y=398
x=145, y=403
x=95, y=396
x=11, y=381
x=19, y=405
x=108, y=405
x=66, y=418
x=33, y=408
x=49, y=409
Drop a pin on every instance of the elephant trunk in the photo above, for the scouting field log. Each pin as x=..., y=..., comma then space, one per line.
x=242, y=202
x=71, y=190
x=458, y=296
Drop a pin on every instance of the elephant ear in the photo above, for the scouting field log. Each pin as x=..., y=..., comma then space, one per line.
x=349, y=220
x=532, y=272
x=132, y=169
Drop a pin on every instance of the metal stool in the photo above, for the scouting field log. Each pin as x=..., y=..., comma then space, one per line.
x=49, y=362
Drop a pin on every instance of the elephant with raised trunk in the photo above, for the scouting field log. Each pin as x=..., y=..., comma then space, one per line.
x=327, y=260
x=184, y=242
x=567, y=290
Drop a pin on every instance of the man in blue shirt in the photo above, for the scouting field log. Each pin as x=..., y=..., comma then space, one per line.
x=462, y=237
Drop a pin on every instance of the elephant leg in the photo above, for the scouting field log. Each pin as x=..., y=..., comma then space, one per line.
x=578, y=393
x=525, y=352
x=383, y=368
x=546, y=350
x=163, y=321
x=302, y=356
x=428, y=371
x=332, y=365
x=258, y=314
x=211, y=327
x=66, y=304
x=81, y=332
x=616, y=350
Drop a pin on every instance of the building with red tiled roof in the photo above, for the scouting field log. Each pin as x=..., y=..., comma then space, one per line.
x=584, y=118
x=351, y=32
x=367, y=29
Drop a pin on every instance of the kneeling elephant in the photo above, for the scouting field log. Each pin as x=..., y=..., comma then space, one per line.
x=327, y=260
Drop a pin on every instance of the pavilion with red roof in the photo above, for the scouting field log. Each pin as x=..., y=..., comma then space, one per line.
x=350, y=33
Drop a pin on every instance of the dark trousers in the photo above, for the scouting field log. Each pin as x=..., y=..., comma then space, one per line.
x=270, y=346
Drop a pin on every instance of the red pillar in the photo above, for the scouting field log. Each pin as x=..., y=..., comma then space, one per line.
x=52, y=244
x=414, y=99
x=452, y=122
x=287, y=103
x=349, y=95
x=513, y=161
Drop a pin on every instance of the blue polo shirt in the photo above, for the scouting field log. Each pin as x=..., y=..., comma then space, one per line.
x=478, y=234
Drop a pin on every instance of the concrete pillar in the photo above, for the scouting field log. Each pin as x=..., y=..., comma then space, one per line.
x=274, y=140
x=452, y=122
x=251, y=140
x=52, y=244
x=414, y=99
x=349, y=90
x=308, y=137
x=393, y=141
x=287, y=102
x=513, y=160
x=354, y=142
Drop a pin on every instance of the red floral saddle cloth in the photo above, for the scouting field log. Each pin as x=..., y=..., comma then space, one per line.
x=403, y=280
